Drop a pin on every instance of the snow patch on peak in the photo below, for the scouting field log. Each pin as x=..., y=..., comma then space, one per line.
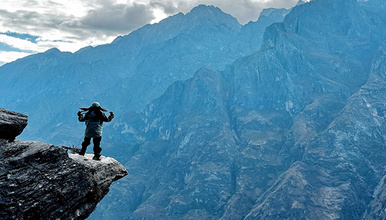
x=301, y=2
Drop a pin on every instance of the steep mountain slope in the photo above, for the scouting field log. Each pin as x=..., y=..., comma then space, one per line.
x=294, y=131
x=341, y=165
x=139, y=67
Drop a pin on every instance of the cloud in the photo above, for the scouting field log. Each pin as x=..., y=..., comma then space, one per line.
x=243, y=10
x=20, y=44
x=72, y=24
x=169, y=7
x=29, y=21
x=115, y=19
x=9, y=56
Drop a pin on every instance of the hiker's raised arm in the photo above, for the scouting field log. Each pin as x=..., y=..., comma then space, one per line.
x=111, y=116
x=108, y=119
x=80, y=116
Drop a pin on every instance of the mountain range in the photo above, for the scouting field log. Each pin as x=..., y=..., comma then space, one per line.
x=282, y=118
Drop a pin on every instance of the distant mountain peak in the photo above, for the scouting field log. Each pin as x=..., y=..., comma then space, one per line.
x=205, y=8
x=203, y=12
x=53, y=50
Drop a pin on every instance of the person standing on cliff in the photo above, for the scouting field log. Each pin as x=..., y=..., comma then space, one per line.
x=94, y=119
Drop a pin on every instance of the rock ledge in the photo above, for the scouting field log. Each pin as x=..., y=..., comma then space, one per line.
x=43, y=181
x=12, y=124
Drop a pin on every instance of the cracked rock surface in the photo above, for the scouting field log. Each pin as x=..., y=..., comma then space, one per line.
x=11, y=124
x=43, y=181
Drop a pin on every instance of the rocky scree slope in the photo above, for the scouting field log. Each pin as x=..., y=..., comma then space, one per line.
x=42, y=181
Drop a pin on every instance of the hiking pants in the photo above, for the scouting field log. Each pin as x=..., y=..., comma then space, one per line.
x=96, y=141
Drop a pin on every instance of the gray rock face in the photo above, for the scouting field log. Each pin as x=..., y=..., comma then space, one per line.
x=377, y=208
x=11, y=124
x=295, y=131
x=42, y=181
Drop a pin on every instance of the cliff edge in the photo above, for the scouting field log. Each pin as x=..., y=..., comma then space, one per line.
x=43, y=181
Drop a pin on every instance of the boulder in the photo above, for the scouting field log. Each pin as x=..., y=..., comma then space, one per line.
x=42, y=181
x=11, y=124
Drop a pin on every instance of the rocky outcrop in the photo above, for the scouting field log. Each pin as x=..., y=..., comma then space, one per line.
x=11, y=124
x=43, y=181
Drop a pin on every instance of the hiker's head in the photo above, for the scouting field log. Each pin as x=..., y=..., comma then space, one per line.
x=95, y=105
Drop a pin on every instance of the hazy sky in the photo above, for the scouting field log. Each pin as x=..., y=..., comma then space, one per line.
x=31, y=26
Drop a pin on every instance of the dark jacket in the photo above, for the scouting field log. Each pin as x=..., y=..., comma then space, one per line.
x=94, y=119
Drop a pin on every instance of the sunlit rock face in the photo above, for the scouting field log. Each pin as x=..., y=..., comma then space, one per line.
x=42, y=181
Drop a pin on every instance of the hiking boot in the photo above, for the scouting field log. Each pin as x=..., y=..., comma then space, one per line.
x=96, y=157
